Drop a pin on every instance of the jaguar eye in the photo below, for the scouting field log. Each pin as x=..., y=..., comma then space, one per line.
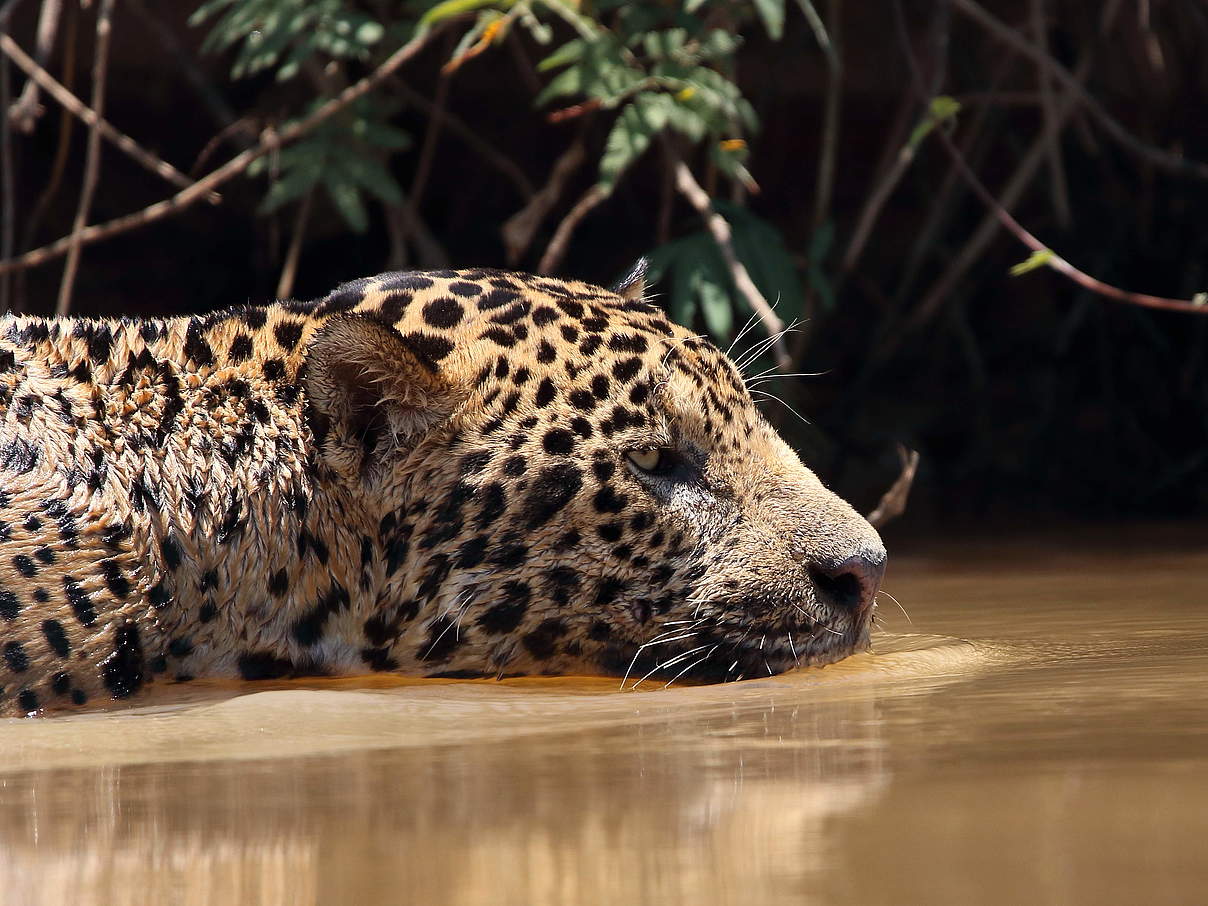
x=652, y=460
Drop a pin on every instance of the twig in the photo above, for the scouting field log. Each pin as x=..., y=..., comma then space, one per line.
x=974, y=148
x=893, y=501
x=1061, y=197
x=1110, y=124
x=269, y=142
x=1051, y=259
x=458, y=127
x=289, y=269
x=830, y=117
x=245, y=125
x=871, y=211
x=91, y=118
x=25, y=110
x=8, y=216
x=423, y=169
x=556, y=250
x=92, y=158
x=518, y=230
x=58, y=166
x=687, y=185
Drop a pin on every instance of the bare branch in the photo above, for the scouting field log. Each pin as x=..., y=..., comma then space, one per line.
x=893, y=501
x=825, y=181
x=719, y=227
x=25, y=110
x=91, y=118
x=8, y=217
x=269, y=142
x=556, y=249
x=1003, y=216
x=518, y=229
x=1061, y=196
x=289, y=269
x=1110, y=124
x=92, y=159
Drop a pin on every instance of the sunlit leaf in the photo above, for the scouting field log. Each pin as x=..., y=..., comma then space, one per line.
x=1034, y=261
x=632, y=134
x=771, y=13
x=453, y=8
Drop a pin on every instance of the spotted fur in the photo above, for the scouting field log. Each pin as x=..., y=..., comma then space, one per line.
x=429, y=473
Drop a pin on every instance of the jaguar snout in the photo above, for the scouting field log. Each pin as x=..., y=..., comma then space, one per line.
x=849, y=584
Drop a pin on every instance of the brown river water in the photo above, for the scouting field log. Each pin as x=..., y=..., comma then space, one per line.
x=1037, y=732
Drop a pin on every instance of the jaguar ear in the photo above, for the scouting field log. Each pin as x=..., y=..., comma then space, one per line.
x=371, y=393
x=633, y=285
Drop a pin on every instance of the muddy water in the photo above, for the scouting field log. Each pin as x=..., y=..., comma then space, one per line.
x=1037, y=734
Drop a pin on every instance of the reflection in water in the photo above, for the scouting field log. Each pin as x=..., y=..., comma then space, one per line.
x=1058, y=757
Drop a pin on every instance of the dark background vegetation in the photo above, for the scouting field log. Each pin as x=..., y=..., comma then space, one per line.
x=1025, y=395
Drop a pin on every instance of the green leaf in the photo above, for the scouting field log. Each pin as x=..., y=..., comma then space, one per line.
x=941, y=109
x=563, y=84
x=715, y=305
x=452, y=8
x=1034, y=261
x=371, y=175
x=294, y=183
x=631, y=135
x=570, y=52
x=347, y=199
x=382, y=135
x=772, y=14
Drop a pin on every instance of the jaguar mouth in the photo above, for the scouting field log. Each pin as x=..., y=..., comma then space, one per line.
x=692, y=652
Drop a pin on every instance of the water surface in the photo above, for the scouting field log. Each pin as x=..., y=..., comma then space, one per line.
x=1036, y=733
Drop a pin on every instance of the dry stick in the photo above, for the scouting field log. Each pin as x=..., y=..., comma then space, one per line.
x=58, y=166
x=876, y=201
x=232, y=168
x=1111, y=125
x=687, y=185
x=1052, y=260
x=1055, y=261
x=289, y=270
x=423, y=169
x=1061, y=196
x=518, y=230
x=8, y=217
x=944, y=200
x=1019, y=181
x=25, y=111
x=92, y=159
x=91, y=118
x=556, y=249
x=893, y=501
x=830, y=117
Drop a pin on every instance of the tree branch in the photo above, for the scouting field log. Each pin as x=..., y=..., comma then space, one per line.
x=1111, y=125
x=269, y=142
x=556, y=250
x=25, y=110
x=893, y=502
x=91, y=118
x=1013, y=226
x=92, y=159
x=719, y=227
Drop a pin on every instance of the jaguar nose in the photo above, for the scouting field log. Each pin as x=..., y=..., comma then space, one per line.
x=852, y=583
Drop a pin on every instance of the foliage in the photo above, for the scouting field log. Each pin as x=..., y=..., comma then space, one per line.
x=660, y=71
x=698, y=281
